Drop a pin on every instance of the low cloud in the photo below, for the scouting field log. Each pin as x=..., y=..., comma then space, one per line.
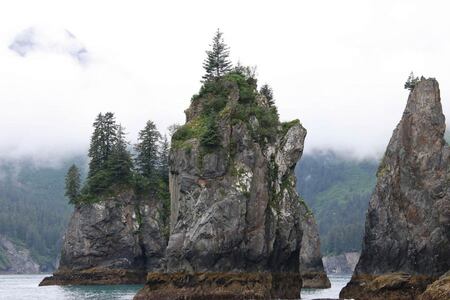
x=62, y=41
x=339, y=67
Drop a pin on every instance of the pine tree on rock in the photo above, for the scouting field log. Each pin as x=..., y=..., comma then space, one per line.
x=102, y=141
x=210, y=137
x=164, y=159
x=73, y=184
x=411, y=82
x=217, y=62
x=267, y=92
x=147, y=152
x=120, y=164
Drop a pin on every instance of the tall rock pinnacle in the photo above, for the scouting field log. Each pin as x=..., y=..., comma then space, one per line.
x=235, y=212
x=408, y=219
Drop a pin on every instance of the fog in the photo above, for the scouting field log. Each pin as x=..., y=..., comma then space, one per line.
x=338, y=66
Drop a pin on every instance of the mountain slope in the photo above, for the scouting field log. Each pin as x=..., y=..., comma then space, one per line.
x=338, y=190
x=34, y=212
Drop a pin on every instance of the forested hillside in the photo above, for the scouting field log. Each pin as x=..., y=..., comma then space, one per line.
x=34, y=211
x=338, y=191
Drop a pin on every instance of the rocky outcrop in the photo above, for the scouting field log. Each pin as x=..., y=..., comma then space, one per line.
x=440, y=289
x=311, y=265
x=342, y=264
x=116, y=240
x=184, y=286
x=408, y=220
x=16, y=259
x=234, y=206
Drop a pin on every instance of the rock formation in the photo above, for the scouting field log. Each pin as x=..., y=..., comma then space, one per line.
x=407, y=238
x=311, y=265
x=16, y=259
x=116, y=240
x=342, y=264
x=234, y=206
x=440, y=289
x=184, y=286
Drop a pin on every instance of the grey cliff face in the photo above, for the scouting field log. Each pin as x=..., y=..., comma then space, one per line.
x=341, y=264
x=408, y=219
x=114, y=241
x=15, y=259
x=311, y=265
x=235, y=208
x=122, y=232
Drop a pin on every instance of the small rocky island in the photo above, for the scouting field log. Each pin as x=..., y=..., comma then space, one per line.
x=238, y=229
x=406, y=248
x=115, y=241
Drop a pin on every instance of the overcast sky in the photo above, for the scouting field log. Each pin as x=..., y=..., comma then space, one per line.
x=338, y=66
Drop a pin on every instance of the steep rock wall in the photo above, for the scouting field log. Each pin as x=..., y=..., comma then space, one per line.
x=234, y=207
x=408, y=220
x=118, y=238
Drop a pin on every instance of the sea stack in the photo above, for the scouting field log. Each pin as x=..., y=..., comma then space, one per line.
x=407, y=239
x=236, y=218
x=114, y=241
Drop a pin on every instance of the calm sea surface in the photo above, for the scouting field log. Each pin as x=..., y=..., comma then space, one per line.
x=17, y=287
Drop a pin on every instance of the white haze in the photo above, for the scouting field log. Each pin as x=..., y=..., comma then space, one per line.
x=338, y=66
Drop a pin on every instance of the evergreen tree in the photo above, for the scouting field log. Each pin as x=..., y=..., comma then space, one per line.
x=267, y=91
x=210, y=137
x=102, y=141
x=147, y=151
x=217, y=62
x=164, y=159
x=411, y=82
x=73, y=183
x=120, y=164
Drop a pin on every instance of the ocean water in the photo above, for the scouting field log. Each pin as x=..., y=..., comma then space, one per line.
x=18, y=287
x=337, y=283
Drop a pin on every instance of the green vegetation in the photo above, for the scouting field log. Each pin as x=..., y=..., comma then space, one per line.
x=112, y=168
x=212, y=100
x=285, y=126
x=411, y=82
x=217, y=100
x=4, y=262
x=217, y=62
x=73, y=183
x=267, y=92
x=34, y=210
x=147, y=149
x=338, y=191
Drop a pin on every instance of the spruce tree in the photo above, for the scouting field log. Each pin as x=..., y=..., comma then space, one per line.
x=411, y=82
x=164, y=159
x=210, y=137
x=267, y=91
x=163, y=191
x=217, y=62
x=102, y=141
x=120, y=164
x=147, y=152
x=73, y=184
